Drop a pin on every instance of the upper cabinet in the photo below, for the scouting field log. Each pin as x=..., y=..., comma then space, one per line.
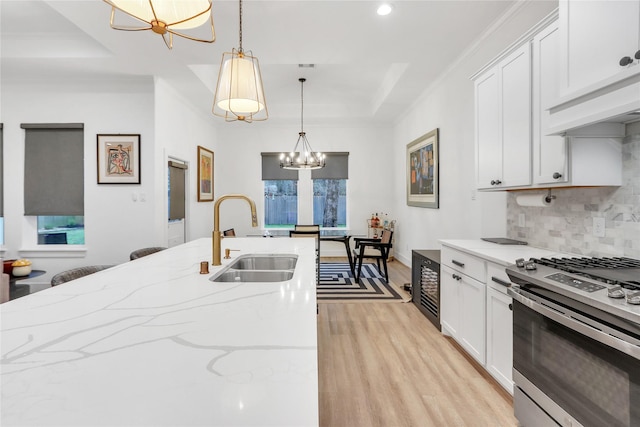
x=599, y=64
x=516, y=147
x=503, y=134
x=596, y=36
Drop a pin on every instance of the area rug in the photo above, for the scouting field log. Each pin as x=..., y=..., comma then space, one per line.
x=337, y=284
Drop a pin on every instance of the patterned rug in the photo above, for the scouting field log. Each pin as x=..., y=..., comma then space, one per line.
x=337, y=284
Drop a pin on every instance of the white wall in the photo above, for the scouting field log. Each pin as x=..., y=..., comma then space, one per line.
x=238, y=168
x=448, y=105
x=114, y=223
x=179, y=129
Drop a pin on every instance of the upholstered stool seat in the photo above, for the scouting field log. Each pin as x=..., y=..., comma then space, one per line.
x=139, y=253
x=76, y=273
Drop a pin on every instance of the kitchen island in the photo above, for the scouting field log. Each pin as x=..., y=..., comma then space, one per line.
x=153, y=342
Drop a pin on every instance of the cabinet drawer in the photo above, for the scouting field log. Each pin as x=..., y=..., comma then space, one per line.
x=497, y=278
x=465, y=263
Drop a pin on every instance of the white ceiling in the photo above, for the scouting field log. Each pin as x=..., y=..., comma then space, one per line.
x=367, y=67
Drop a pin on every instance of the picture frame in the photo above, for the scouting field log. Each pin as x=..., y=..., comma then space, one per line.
x=118, y=157
x=205, y=174
x=423, y=171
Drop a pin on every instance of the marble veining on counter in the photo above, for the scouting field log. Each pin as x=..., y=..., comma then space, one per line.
x=152, y=342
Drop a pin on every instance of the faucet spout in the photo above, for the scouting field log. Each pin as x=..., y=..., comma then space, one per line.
x=217, y=234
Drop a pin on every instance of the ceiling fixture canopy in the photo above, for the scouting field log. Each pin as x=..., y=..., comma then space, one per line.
x=305, y=158
x=165, y=17
x=239, y=92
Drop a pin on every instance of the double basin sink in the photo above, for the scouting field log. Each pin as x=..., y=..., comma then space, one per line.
x=258, y=268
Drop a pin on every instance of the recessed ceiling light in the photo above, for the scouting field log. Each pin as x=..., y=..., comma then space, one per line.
x=384, y=9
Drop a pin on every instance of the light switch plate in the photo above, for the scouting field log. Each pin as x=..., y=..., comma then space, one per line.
x=521, y=220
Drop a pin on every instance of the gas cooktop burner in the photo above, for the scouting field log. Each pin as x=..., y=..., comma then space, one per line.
x=616, y=270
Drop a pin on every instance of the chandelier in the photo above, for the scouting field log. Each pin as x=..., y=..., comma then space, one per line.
x=305, y=158
x=239, y=93
x=167, y=18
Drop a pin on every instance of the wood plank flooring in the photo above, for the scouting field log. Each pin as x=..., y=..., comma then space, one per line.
x=386, y=365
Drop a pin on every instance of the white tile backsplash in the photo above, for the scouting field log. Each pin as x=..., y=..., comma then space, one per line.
x=567, y=225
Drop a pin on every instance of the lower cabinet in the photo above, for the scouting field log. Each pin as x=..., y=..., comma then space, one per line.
x=500, y=337
x=463, y=314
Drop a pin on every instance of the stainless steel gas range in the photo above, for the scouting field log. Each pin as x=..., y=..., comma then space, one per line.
x=576, y=341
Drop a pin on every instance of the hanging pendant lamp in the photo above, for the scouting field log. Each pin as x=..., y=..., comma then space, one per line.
x=305, y=157
x=239, y=92
x=165, y=17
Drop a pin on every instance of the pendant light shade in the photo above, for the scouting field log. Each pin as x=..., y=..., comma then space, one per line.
x=302, y=156
x=165, y=17
x=239, y=93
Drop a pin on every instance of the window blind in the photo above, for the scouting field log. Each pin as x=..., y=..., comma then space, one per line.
x=271, y=169
x=337, y=167
x=54, y=169
x=1, y=174
x=176, y=190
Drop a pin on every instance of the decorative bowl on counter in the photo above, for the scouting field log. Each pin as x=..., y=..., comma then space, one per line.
x=7, y=266
x=21, y=267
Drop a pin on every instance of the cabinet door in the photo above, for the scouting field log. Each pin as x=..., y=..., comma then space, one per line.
x=449, y=301
x=500, y=338
x=515, y=90
x=596, y=35
x=472, y=317
x=488, y=134
x=550, y=162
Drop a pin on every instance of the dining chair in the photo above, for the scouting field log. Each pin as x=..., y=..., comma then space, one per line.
x=76, y=273
x=377, y=249
x=139, y=253
x=229, y=233
x=311, y=227
x=316, y=235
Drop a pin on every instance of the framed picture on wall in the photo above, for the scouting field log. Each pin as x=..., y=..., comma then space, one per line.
x=118, y=159
x=422, y=171
x=205, y=175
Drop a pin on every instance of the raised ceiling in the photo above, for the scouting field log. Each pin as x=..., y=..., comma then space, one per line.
x=367, y=67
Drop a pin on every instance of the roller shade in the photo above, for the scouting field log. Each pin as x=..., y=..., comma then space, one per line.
x=54, y=169
x=1, y=174
x=337, y=167
x=271, y=169
x=176, y=190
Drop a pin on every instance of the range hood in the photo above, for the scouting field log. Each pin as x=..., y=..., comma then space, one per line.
x=614, y=100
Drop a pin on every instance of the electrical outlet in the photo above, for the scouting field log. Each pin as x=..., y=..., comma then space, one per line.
x=521, y=220
x=598, y=227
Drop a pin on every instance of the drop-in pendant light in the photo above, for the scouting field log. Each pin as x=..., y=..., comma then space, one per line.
x=305, y=158
x=165, y=17
x=239, y=92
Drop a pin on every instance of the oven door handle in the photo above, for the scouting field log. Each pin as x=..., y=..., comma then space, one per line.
x=580, y=327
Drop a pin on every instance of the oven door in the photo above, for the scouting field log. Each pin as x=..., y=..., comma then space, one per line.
x=575, y=371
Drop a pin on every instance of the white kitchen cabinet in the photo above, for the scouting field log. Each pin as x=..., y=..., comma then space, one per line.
x=596, y=35
x=499, y=327
x=550, y=152
x=503, y=111
x=463, y=301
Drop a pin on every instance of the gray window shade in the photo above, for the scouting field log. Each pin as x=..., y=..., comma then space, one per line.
x=337, y=167
x=1, y=175
x=271, y=168
x=54, y=169
x=176, y=190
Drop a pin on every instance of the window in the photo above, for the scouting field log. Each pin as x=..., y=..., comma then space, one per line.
x=330, y=191
x=280, y=203
x=326, y=203
x=330, y=203
x=54, y=181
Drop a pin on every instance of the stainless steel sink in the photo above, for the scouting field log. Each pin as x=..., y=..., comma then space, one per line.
x=265, y=262
x=229, y=275
x=258, y=268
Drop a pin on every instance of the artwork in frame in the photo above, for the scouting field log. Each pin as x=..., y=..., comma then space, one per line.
x=118, y=159
x=422, y=171
x=205, y=175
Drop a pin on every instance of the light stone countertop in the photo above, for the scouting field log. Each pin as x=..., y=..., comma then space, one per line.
x=152, y=342
x=501, y=254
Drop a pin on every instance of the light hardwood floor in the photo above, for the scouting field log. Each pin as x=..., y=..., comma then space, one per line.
x=385, y=365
